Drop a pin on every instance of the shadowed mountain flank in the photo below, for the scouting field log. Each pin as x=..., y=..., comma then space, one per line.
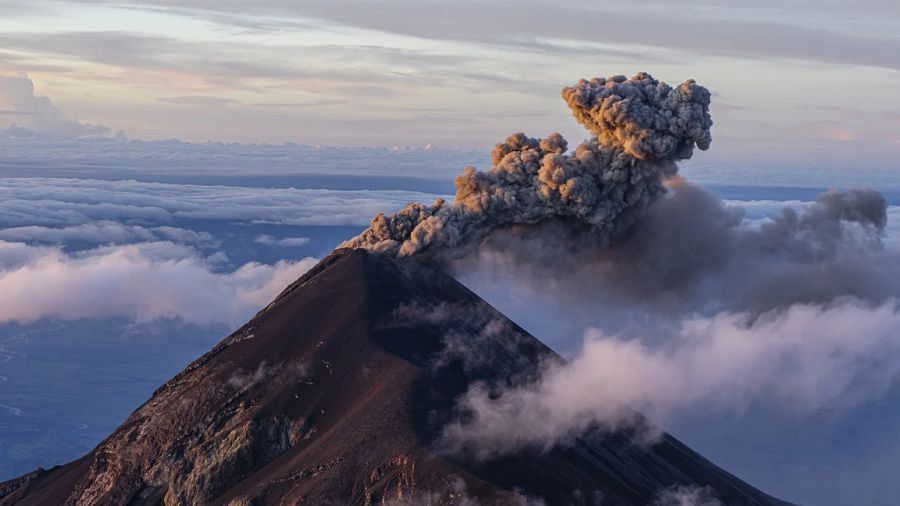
x=337, y=393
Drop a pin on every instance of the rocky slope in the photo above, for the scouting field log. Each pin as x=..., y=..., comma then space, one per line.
x=336, y=392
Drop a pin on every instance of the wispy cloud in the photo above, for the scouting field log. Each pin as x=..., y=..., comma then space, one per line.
x=374, y=73
x=199, y=100
x=703, y=29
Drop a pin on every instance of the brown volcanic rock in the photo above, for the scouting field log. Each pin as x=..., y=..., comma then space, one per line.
x=334, y=394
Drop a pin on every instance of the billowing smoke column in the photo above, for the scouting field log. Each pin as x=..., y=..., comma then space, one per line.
x=641, y=126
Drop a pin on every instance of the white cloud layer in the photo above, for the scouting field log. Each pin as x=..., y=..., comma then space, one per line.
x=56, y=202
x=140, y=281
x=104, y=232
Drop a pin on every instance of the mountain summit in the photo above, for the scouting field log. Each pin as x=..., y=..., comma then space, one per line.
x=337, y=393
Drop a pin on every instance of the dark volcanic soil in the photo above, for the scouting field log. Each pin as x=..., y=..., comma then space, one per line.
x=335, y=393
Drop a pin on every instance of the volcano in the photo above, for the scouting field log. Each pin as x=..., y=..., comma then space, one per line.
x=337, y=392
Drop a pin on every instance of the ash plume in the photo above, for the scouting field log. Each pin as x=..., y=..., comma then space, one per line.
x=641, y=127
x=687, y=303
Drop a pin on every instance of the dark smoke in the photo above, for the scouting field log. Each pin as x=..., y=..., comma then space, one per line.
x=688, y=252
x=641, y=126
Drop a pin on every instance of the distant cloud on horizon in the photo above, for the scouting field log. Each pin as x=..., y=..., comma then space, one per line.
x=19, y=101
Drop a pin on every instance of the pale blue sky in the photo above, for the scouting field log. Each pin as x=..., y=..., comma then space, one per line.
x=796, y=83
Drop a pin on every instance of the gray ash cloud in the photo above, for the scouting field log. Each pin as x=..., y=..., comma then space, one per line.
x=641, y=126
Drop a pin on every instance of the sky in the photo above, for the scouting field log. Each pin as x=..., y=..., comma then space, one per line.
x=209, y=152
x=797, y=83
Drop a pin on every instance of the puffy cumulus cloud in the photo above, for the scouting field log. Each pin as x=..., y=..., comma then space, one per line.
x=143, y=281
x=20, y=105
x=805, y=358
x=56, y=202
x=641, y=127
x=268, y=240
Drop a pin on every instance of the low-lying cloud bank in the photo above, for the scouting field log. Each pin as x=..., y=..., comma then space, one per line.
x=106, y=232
x=56, y=202
x=140, y=281
x=804, y=358
x=144, y=263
